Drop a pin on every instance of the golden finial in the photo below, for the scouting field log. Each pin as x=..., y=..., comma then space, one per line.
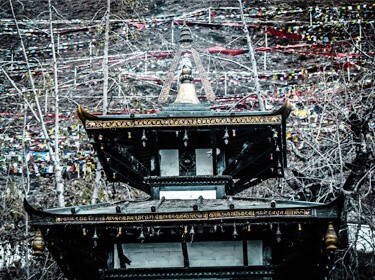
x=186, y=92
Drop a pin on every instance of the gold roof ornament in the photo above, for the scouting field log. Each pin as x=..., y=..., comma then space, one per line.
x=186, y=92
x=186, y=46
x=38, y=244
x=331, y=237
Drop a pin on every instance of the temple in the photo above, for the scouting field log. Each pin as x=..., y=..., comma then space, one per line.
x=192, y=162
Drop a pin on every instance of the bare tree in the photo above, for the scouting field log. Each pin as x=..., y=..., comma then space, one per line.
x=56, y=151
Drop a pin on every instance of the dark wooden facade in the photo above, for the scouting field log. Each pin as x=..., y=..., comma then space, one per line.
x=233, y=239
x=244, y=147
x=211, y=235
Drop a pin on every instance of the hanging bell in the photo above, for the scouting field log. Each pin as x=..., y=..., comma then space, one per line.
x=226, y=137
x=331, y=237
x=144, y=138
x=299, y=227
x=38, y=244
x=95, y=238
x=119, y=232
x=278, y=234
x=185, y=230
x=235, y=233
x=275, y=134
x=249, y=228
x=152, y=232
x=192, y=231
x=222, y=230
x=186, y=138
x=141, y=236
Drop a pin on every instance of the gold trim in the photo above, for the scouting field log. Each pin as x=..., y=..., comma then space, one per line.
x=185, y=216
x=172, y=122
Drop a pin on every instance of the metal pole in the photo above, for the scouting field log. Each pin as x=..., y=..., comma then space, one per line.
x=172, y=35
x=119, y=85
x=146, y=64
x=105, y=59
x=348, y=69
x=90, y=52
x=75, y=76
x=225, y=84
x=58, y=44
x=360, y=36
x=265, y=52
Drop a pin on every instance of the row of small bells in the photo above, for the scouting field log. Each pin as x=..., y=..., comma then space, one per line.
x=330, y=236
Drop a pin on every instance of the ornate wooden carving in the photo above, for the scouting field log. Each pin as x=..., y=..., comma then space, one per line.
x=176, y=122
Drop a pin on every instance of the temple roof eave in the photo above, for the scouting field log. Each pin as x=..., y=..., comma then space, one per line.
x=185, y=119
x=284, y=111
x=83, y=115
x=172, y=211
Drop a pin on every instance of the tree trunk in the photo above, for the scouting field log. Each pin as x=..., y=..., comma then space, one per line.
x=105, y=60
x=58, y=169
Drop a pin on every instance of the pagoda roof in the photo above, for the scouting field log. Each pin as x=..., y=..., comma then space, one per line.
x=127, y=144
x=177, y=115
x=177, y=211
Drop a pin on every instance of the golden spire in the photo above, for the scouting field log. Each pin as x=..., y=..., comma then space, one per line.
x=186, y=87
x=186, y=92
